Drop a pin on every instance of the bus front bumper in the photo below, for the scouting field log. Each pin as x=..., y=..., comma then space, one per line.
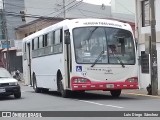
x=107, y=86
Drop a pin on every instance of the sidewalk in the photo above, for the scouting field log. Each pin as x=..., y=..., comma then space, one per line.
x=138, y=92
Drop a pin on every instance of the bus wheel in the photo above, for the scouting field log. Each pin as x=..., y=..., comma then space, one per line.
x=64, y=93
x=36, y=89
x=115, y=93
x=45, y=90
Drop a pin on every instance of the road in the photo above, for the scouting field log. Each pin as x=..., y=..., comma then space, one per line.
x=92, y=101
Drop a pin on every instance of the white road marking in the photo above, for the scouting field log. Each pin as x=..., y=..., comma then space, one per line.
x=100, y=104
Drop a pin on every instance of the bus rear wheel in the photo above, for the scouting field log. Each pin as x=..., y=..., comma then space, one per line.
x=36, y=89
x=115, y=93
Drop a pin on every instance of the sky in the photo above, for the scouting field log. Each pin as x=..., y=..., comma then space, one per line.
x=97, y=2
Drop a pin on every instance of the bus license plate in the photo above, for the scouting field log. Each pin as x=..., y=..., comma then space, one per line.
x=110, y=85
x=2, y=90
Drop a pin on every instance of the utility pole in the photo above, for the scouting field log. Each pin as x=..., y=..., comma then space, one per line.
x=64, y=11
x=153, y=51
x=6, y=35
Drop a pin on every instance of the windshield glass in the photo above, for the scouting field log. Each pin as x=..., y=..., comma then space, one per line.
x=116, y=45
x=4, y=73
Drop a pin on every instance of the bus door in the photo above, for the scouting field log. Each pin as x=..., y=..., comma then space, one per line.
x=67, y=57
x=29, y=62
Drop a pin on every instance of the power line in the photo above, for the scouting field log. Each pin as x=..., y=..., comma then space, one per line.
x=71, y=7
x=51, y=18
x=62, y=7
x=125, y=7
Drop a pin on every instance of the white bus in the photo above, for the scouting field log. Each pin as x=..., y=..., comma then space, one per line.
x=81, y=55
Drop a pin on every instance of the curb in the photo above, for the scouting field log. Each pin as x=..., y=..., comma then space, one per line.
x=139, y=94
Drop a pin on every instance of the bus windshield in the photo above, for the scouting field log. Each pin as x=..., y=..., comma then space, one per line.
x=103, y=45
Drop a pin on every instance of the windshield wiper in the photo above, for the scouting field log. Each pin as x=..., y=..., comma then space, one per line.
x=91, y=32
x=99, y=56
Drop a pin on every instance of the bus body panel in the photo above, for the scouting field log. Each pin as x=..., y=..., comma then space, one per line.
x=48, y=71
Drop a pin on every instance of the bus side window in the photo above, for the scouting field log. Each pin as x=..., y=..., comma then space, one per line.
x=45, y=40
x=61, y=35
x=53, y=37
x=32, y=44
x=40, y=41
x=58, y=36
x=35, y=44
x=50, y=35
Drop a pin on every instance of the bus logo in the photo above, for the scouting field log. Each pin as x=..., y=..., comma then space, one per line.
x=78, y=68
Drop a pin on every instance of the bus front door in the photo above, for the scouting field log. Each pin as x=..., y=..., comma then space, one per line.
x=67, y=57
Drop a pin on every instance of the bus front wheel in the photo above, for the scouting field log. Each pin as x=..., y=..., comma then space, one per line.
x=64, y=93
x=115, y=93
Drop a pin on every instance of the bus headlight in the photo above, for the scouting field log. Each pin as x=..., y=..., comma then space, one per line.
x=80, y=80
x=132, y=80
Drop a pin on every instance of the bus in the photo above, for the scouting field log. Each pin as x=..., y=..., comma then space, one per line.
x=81, y=55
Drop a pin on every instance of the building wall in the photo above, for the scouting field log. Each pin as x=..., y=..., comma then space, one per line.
x=123, y=6
x=123, y=9
x=74, y=9
x=14, y=7
x=141, y=33
x=34, y=27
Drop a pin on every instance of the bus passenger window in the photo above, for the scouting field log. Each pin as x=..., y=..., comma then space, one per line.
x=57, y=36
x=53, y=37
x=50, y=36
x=61, y=35
x=45, y=40
x=40, y=41
x=35, y=43
x=32, y=44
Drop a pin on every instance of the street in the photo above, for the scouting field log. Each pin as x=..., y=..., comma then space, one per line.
x=90, y=101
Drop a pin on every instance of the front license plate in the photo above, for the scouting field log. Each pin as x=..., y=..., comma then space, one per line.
x=2, y=90
x=110, y=85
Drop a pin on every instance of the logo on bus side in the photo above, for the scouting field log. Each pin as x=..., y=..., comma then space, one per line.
x=78, y=68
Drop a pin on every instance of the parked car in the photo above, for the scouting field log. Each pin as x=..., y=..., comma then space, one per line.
x=8, y=84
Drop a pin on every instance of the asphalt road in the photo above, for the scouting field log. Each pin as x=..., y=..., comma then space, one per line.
x=92, y=101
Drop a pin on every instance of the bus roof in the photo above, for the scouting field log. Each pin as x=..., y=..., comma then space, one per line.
x=81, y=22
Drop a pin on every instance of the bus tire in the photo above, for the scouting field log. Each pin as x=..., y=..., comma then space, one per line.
x=64, y=93
x=36, y=89
x=115, y=93
x=45, y=90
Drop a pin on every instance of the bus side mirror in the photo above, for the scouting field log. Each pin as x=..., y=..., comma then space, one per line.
x=67, y=37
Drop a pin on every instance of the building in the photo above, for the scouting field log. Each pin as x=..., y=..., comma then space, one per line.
x=143, y=33
x=34, y=26
x=73, y=9
x=13, y=20
x=12, y=7
x=123, y=10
